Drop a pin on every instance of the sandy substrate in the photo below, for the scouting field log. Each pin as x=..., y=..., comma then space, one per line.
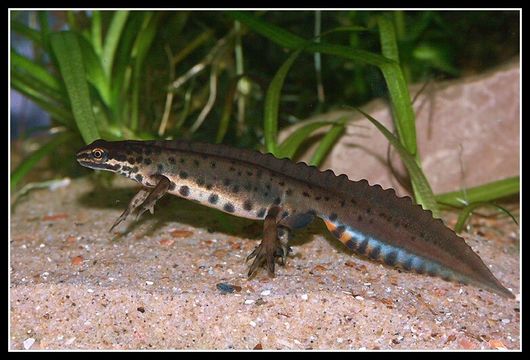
x=156, y=284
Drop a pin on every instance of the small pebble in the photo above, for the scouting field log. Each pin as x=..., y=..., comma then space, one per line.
x=252, y=323
x=304, y=297
x=149, y=282
x=265, y=293
x=505, y=321
x=28, y=343
x=249, y=301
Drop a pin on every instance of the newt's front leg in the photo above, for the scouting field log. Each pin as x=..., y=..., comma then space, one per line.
x=144, y=200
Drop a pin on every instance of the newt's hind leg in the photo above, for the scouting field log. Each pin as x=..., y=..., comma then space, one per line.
x=270, y=247
x=276, y=236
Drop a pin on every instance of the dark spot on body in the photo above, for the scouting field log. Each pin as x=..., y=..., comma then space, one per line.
x=147, y=161
x=209, y=186
x=332, y=217
x=182, y=160
x=213, y=198
x=306, y=194
x=249, y=173
x=172, y=160
x=135, y=169
x=229, y=207
x=239, y=173
x=281, y=183
x=139, y=159
x=231, y=168
x=147, y=151
x=261, y=212
x=407, y=265
x=130, y=160
x=200, y=181
x=342, y=203
x=374, y=252
x=120, y=157
x=317, y=198
x=172, y=186
x=359, y=218
x=352, y=244
x=353, y=201
x=390, y=258
x=277, y=201
x=265, y=194
x=196, y=162
x=396, y=224
x=157, y=150
x=363, y=245
x=326, y=198
x=235, y=189
x=139, y=178
x=248, y=186
x=183, y=174
x=288, y=192
x=226, y=182
x=160, y=168
x=285, y=214
x=247, y=205
x=184, y=190
x=213, y=165
x=268, y=186
x=368, y=210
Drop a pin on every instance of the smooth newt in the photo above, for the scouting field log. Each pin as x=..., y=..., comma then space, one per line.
x=288, y=196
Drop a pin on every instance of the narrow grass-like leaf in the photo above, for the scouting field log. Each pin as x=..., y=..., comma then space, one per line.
x=141, y=47
x=327, y=142
x=37, y=71
x=95, y=33
x=291, y=144
x=422, y=190
x=466, y=213
x=31, y=34
x=272, y=103
x=397, y=86
x=44, y=29
x=387, y=38
x=29, y=162
x=68, y=53
x=95, y=72
x=57, y=111
x=488, y=192
x=404, y=118
x=277, y=34
x=112, y=38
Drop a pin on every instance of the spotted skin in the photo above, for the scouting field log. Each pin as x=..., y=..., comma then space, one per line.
x=367, y=219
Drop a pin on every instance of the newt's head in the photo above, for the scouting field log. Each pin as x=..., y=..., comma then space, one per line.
x=98, y=155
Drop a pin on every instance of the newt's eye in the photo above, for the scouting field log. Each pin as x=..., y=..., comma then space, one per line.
x=98, y=153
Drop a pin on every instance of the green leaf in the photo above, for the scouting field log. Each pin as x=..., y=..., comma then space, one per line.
x=387, y=38
x=66, y=48
x=422, y=190
x=29, y=162
x=27, y=32
x=395, y=80
x=57, y=111
x=291, y=144
x=488, y=192
x=95, y=72
x=111, y=40
x=325, y=145
x=272, y=103
x=36, y=71
x=96, y=34
x=141, y=47
x=466, y=212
